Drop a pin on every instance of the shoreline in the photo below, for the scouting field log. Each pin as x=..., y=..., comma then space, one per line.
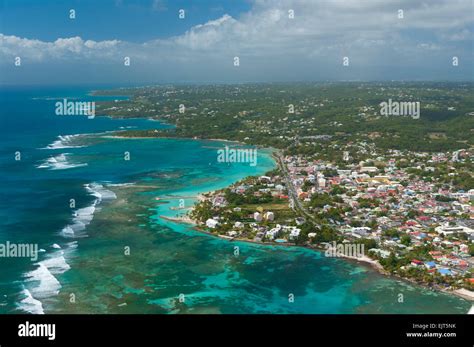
x=183, y=138
x=273, y=150
x=364, y=261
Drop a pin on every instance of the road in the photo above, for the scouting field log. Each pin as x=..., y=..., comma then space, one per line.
x=297, y=205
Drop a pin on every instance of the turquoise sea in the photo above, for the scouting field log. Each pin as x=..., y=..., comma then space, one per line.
x=112, y=252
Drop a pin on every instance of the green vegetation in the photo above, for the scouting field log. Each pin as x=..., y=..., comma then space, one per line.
x=259, y=114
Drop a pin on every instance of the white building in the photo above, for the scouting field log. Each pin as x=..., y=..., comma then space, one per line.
x=265, y=178
x=455, y=156
x=211, y=223
x=360, y=231
x=322, y=182
x=269, y=216
x=368, y=169
x=294, y=233
x=273, y=233
x=449, y=230
x=257, y=216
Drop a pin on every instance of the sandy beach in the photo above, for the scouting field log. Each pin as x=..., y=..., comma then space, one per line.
x=180, y=219
x=463, y=293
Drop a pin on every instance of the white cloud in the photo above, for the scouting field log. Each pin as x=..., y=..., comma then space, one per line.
x=63, y=48
x=321, y=33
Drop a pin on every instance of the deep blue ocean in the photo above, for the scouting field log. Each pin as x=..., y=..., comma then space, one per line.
x=46, y=160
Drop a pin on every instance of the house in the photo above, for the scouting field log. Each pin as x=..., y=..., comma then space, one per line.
x=265, y=179
x=300, y=220
x=464, y=248
x=211, y=223
x=368, y=169
x=257, y=216
x=416, y=263
x=272, y=233
x=294, y=233
x=302, y=195
x=219, y=201
x=321, y=182
x=430, y=265
x=449, y=230
x=360, y=231
x=269, y=216
x=241, y=189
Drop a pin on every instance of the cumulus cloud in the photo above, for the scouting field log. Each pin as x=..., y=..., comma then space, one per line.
x=210, y=34
x=320, y=34
x=62, y=48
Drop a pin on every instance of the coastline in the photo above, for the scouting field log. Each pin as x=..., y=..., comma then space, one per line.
x=364, y=260
x=152, y=254
x=462, y=293
x=183, y=138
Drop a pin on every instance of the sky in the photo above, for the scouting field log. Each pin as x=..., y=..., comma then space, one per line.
x=146, y=41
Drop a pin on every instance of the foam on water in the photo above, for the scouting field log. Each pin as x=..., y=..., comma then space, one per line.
x=59, y=162
x=30, y=304
x=41, y=282
x=100, y=192
x=56, y=265
x=64, y=141
x=46, y=284
x=83, y=216
x=120, y=184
